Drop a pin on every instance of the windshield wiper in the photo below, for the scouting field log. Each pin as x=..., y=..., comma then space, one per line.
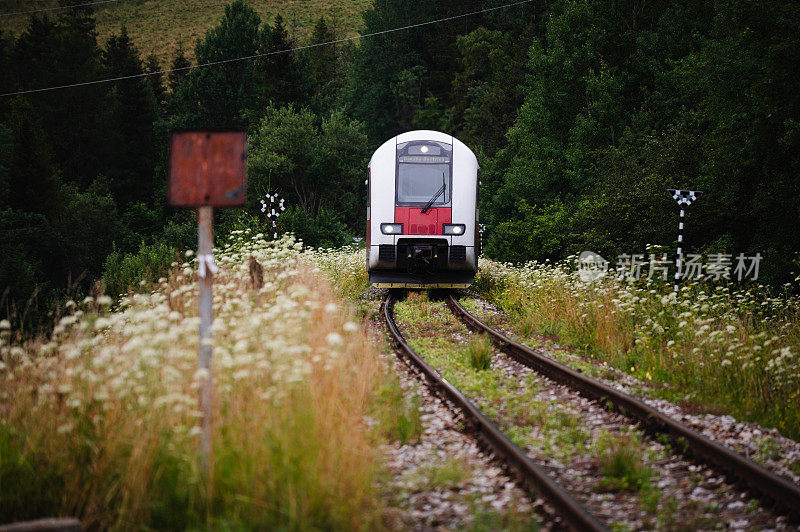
x=430, y=201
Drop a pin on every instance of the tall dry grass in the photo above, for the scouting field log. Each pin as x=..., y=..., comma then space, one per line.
x=717, y=345
x=101, y=420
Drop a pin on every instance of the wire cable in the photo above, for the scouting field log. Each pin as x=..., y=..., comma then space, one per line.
x=265, y=54
x=56, y=8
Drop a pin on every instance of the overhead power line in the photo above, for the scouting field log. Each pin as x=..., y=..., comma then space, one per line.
x=56, y=8
x=265, y=54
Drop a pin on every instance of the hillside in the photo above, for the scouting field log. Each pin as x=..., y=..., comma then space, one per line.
x=161, y=26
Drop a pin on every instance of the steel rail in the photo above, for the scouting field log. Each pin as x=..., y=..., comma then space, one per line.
x=533, y=477
x=763, y=483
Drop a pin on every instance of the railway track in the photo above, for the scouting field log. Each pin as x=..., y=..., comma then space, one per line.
x=533, y=478
x=765, y=485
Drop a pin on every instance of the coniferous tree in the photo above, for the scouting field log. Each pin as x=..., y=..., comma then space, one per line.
x=156, y=78
x=280, y=73
x=6, y=145
x=401, y=81
x=7, y=82
x=323, y=63
x=133, y=112
x=179, y=70
x=34, y=184
x=223, y=95
x=60, y=52
x=485, y=103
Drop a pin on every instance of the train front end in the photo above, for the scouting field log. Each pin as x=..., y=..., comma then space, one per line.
x=422, y=214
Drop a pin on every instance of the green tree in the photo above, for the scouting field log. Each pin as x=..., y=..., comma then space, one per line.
x=324, y=66
x=62, y=52
x=87, y=229
x=385, y=84
x=485, y=96
x=315, y=167
x=746, y=108
x=133, y=104
x=34, y=181
x=179, y=70
x=280, y=77
x=223, y=94
x=156, y=79
x=7, y=82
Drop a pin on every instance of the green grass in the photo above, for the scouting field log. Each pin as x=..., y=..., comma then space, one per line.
x=622, y=463
x=479, y=351
x=448, y=475
x=715, y=348
x=515, y=409
x=160, y=27
x=398, y=414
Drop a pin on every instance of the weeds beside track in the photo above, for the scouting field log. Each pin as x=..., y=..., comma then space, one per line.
x=763, y=483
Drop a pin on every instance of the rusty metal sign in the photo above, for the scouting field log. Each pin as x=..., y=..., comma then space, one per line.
x=207, y=168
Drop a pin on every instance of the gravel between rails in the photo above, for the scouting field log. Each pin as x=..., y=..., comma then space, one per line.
x=691, y=496
x=745, y=438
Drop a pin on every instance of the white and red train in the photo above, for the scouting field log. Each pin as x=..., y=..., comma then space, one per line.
x=422, y=229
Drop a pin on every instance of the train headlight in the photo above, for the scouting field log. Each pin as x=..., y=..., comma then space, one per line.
x=454, y=229
x=392, y=229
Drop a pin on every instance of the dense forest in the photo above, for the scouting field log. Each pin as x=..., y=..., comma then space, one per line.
x=582, y=113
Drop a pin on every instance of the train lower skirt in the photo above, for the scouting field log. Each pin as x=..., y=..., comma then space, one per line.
x=441, y=279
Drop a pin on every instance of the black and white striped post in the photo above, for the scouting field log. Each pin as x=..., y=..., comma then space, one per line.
x=683, y=198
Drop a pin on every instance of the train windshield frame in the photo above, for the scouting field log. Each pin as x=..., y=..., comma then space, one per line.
x=421, y=169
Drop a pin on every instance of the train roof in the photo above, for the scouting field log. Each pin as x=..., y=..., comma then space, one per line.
x=424, y=134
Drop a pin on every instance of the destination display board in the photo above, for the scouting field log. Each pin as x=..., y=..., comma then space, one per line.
x=422, y=159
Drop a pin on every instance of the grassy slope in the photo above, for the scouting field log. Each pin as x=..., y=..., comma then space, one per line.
x=161, y=26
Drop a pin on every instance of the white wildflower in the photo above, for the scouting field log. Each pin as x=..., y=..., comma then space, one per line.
x=202, y=374
x=334, y=339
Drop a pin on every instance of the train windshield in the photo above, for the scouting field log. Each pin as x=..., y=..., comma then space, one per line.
x=422, y=169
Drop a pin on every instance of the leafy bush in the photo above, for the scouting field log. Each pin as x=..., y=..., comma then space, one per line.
x=124, y=271
x=323, y=231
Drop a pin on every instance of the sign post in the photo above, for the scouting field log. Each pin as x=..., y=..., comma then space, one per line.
x=207, y=169
x=272, y=214
x=683, y=198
